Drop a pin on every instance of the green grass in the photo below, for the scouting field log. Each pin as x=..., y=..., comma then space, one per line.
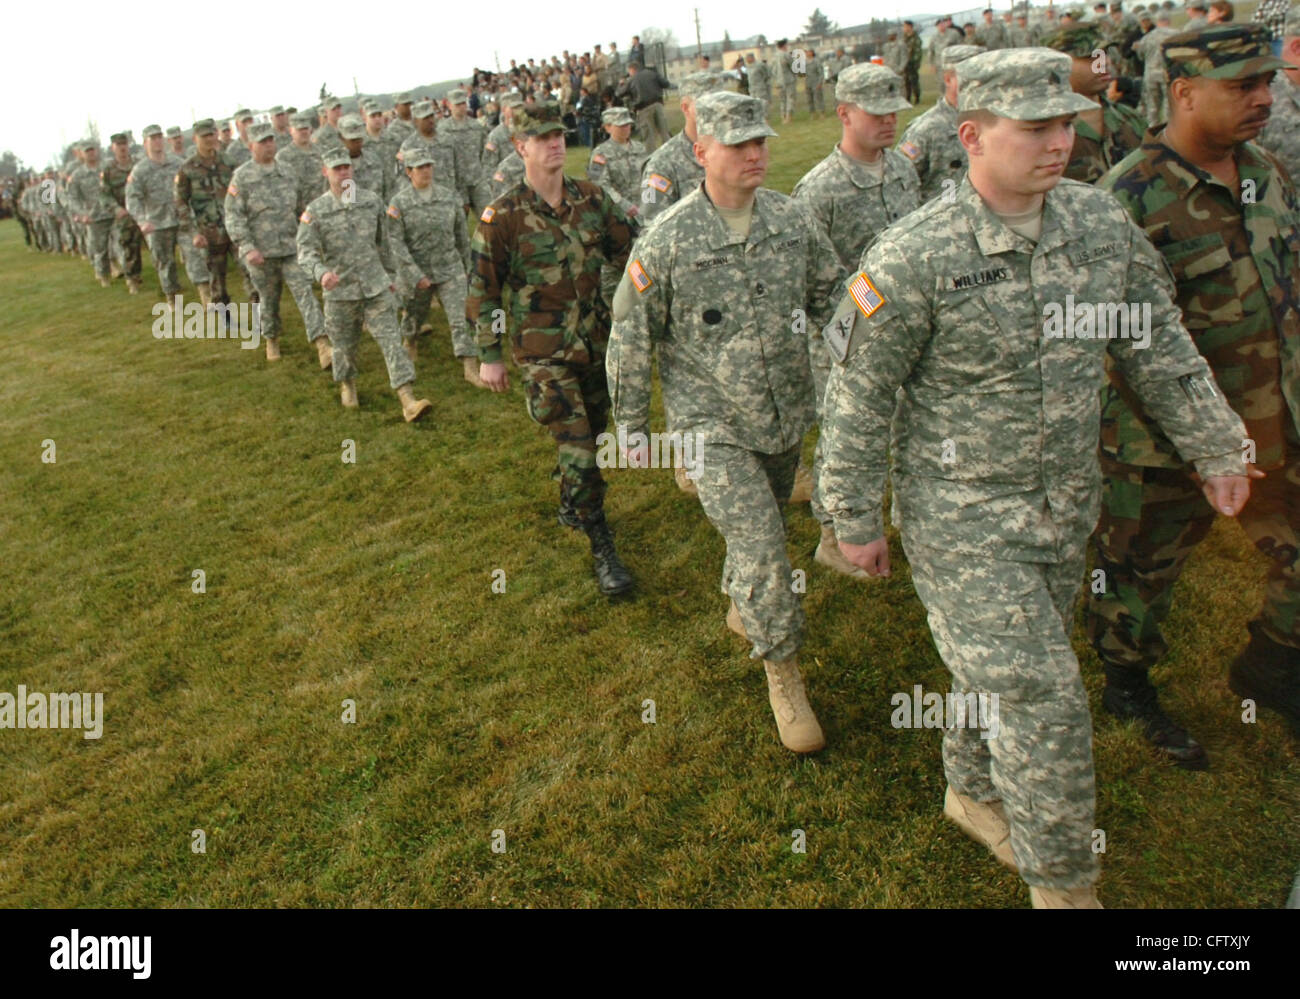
x=479, y=711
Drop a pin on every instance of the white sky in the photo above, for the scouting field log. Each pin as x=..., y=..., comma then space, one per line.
x=146, y=60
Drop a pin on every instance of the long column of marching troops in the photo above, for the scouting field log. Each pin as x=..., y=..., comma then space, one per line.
x=902, y=298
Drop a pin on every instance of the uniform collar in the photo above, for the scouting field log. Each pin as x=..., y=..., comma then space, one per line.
x=993, y=236
x=720, y=233
x=1182, y=175
x=860, y=174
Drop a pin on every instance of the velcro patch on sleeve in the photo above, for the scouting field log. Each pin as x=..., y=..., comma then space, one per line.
x=499, y=177
x=865, y=294
x=305, y=218
x=488, y=214
x=490, y=146
x=232, y=190
x=598, y=158
x=659, y=182
x=640, y=279
x=393, y=212
x=909, y=149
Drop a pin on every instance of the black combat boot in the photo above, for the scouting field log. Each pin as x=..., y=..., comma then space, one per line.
x=1269, y=674
x=1129, y=698
x=611, y=574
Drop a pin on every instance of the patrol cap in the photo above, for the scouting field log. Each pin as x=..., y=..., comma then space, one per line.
x=1221, y=52
x=352, y=127
x=510, y=100
x=1291, y=26
x=1195, y=5
x=118, y=137
x=874, y=89
x=242, y=114
x=365, y=104
x=701, y=83
x=330, y=101
x=205, y=126
x=1079, y=40
x=336, y=156
x=419, y=155
x=954, y=54
x=402, y=98
x=457, y=96
x=278, y=109
x=152, y=130
x=616, y=116
x=375, y=107
x=731, y=118
x=302, y=120
x=173, y=130
x=261, y=130
x=422, y=109
x=88, y=144
x=540, y=119
x=1021, y=84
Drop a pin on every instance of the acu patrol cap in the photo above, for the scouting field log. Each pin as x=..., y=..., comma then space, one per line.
x=302, y=120
x=875, y=89
x=510, y=100
x=152, y=130
x=352, y=127
x=336, y=156
x=402, y=98
x=540, y=119
x=422, y=109
x=731, y=118
x=1020, y=84
x=278, y=109
x=701, y=83
x=1078, y=40
x=173, y=130
x=616, y=116
x=417, y=156
x=329, y=101
x=205, y=126
x=118, y=137
x=261, y=130
x=457, y=96
x=954, y=54
x=1221, y=52
x=243, y=114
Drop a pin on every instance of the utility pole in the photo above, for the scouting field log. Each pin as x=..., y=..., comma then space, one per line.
x=699, y=47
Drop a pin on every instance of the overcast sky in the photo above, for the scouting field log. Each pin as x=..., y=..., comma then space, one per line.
x=129, y=65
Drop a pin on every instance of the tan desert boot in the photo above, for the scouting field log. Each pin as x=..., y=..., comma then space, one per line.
x=803, y=485
x=412, y=408
x=113, y=270
x=348, y=394
x=735, y=623
x=273, y=348
x=105, y=283
x=204, y=289
x=471, y=372
x=828, y=554
x=795, y=720
x=133, y=286
x=1057, y=898
x=983, y=821
x=684, y=482
x=324, y=352
x=411, y=349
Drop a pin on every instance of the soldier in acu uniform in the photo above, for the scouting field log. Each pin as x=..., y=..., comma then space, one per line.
x=149, y=199
x=97, y=208
x=930, y=141
x=616, y=163
x=466, y=138
x=498, y=146
x=672, y=171
x=1281, y=136
x=995, y=426
x=303, y=158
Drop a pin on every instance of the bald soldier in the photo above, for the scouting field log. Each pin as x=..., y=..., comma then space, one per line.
x=712, y=290
x=930, y=141
x=953, y=334
x=672, y=171
x=855, y=193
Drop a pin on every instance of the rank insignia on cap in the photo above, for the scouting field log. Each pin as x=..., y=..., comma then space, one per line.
x=232, y=190
x=393, y=212
x=659, y=182
x=488, y=214
x=865, y=294
x=305, y=218
x=909, y=149
x=640, y=279
x=598, y=158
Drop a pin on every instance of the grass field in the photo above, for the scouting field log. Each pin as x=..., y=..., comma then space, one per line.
x=479, y=711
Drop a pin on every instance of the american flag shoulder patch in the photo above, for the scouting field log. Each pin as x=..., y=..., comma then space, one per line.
x=394, y=212
x=640, y=279
x=865, y=295
x=232, y=190
x=488, y=213
x=659, y=182
x=491, y=147
x=598, y=158
x=305, y=218
x=499, y=177
x=909, y=149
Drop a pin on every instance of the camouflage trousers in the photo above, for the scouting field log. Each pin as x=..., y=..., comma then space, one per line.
x=652, y=126
x=162, y=247
x=1151, y=520
x=477, y=194
x=572, y=402
x=815, y=93
x=451, y=296
x=742, y=493
x=209, y=263
x=786, y=93
x=99, y=235
x=127, y=236
x=1155, y=99
x=269, y=278
x=343, y=326
x=912, y=83
x=1003, y=628
x=820, y=361
x=764, y=93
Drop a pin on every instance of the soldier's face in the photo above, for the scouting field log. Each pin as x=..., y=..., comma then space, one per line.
x=1018, y=157
x=742, y=167
x=544, y=151
x=375, y=123
x=120, y=152
x=338, y=176
x=280, y=121
x=871, y=131
x=206, y=143
x=1226, y=112
x=353, y=146
x=153, y=145
x=426, y=125
x=301, y=136
x=264, y=150
x=1084, y=78
x=92, y=157
x=619, y=133
x=177, y=143
x=421, y=176
x=460, y=111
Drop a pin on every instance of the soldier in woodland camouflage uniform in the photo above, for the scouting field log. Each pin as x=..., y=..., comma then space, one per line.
x=713, y=289
x=200, y=193
x=1103, y=135
x=303, y=158
x=672, y=171
x=930, y=141
x=262, y=205
x=912, y=71
x=994, y=446
x=466, y=137
x=855, y=193
x=1236, y=262
x=1281, y=136
x=431, y=247
x=149, y=199
x=542, y=247
x=343, y=243
x=125, y=233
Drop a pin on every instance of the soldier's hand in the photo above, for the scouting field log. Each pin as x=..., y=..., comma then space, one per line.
x=121, y=213
x=494, y=376
x=199, y=240
x=634, y=211
x=146, y=227
x=872, y=557
x=329, y=281
x=423, y=283
x=1227, y=493
x=255, y=258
